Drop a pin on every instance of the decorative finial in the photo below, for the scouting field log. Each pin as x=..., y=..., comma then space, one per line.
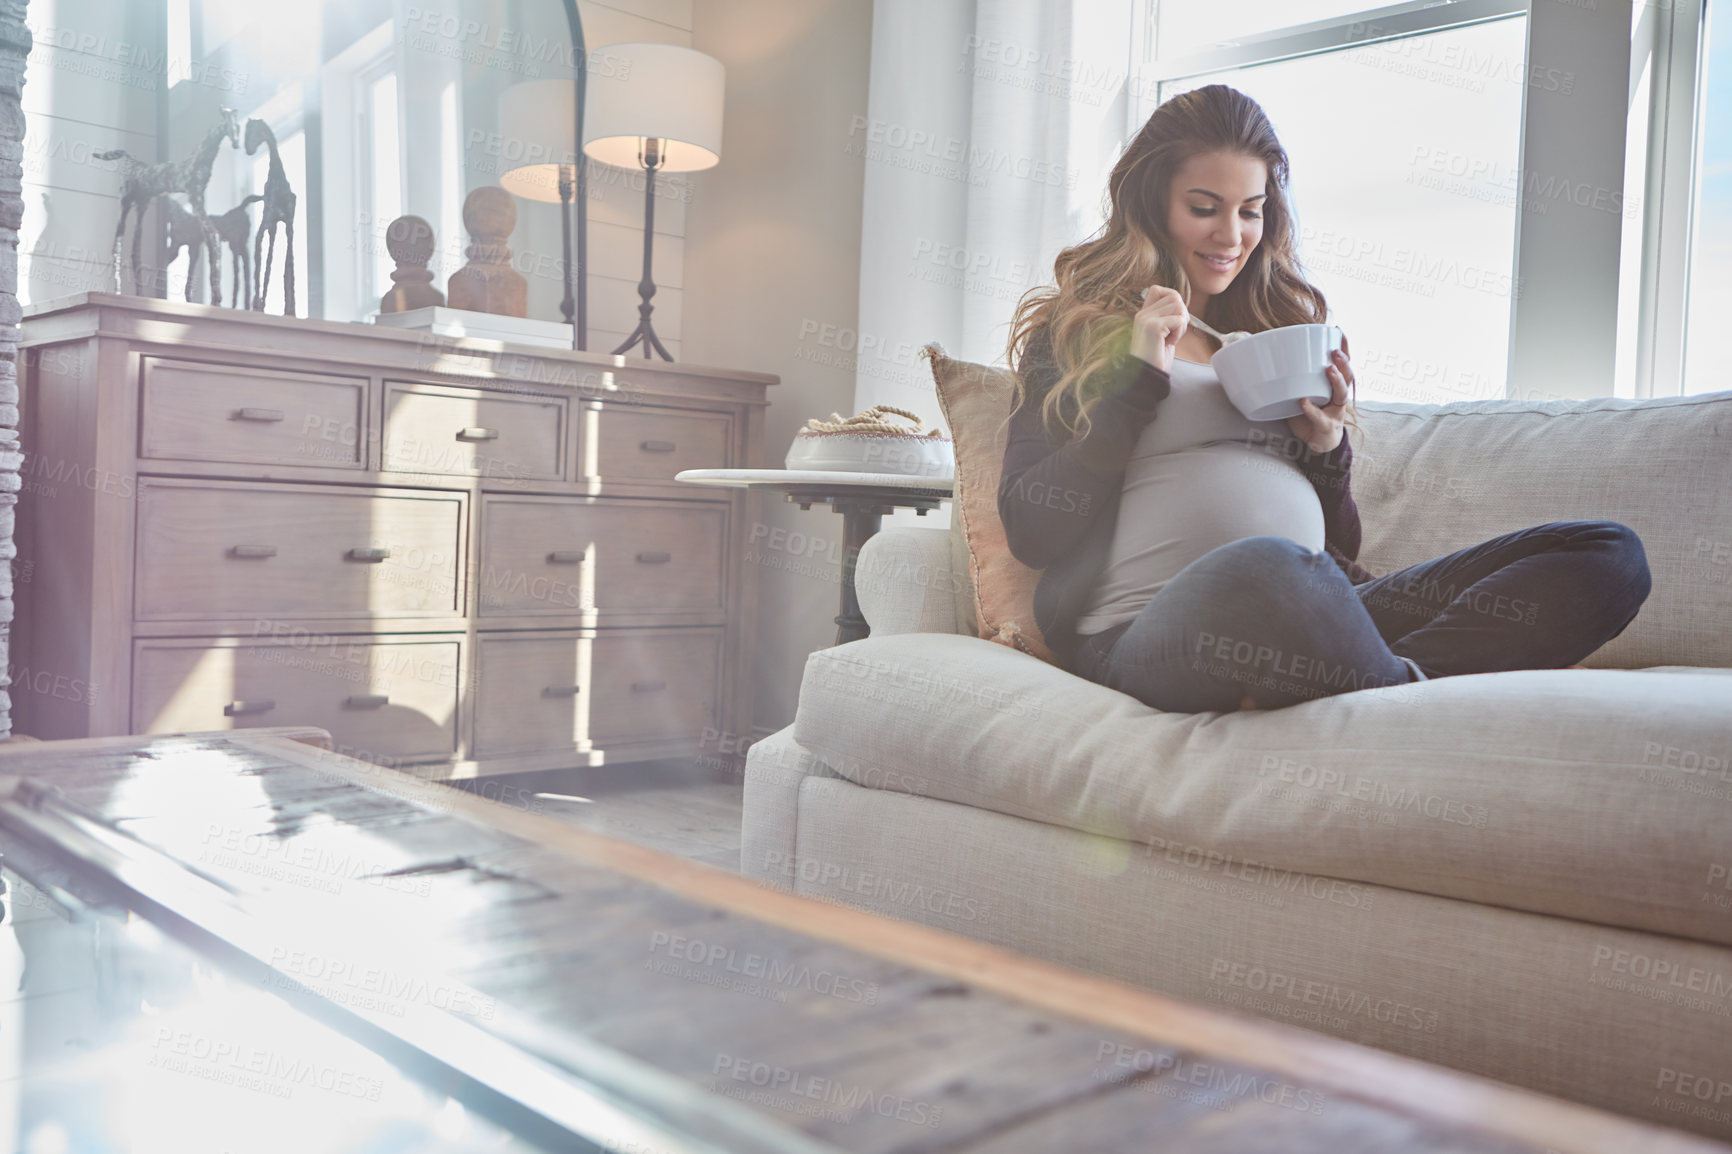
x=488, y=283
x=409, y=240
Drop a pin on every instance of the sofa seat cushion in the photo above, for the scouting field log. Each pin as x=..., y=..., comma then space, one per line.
x=1598, y=794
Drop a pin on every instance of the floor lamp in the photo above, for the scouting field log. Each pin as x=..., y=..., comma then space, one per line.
x=657, y=107
x=538, y=132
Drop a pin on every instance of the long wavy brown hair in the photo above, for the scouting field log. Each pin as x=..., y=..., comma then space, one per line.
x=1099, y=283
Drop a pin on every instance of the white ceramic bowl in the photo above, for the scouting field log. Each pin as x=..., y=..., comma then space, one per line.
x=869, y=453
x=1267, y=373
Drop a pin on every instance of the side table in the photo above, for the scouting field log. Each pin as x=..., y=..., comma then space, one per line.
x=861, y=498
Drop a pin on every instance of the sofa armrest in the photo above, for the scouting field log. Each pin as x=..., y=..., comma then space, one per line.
x=776, y=767
x=908, y=581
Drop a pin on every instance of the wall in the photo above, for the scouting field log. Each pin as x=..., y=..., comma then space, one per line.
x=14, y=43
x=90, y=86
x=772, y=264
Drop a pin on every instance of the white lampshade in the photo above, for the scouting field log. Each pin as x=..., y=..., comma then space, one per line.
x=641, y=89
x=536, y=136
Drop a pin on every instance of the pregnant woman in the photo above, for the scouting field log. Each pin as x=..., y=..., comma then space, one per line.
x=1197, y=560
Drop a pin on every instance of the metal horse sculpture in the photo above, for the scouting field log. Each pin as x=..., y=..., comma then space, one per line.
x=279, y=209
x=235, y=229
x=184, y=231
x=189, y=176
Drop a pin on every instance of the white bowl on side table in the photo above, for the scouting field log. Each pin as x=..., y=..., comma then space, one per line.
x=871, y=442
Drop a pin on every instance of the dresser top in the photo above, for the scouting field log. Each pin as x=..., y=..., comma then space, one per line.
x=139, y=317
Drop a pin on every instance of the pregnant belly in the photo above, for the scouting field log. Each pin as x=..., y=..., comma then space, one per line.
x=1178, y=506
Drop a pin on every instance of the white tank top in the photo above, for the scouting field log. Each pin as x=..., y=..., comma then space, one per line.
x=1200, y=476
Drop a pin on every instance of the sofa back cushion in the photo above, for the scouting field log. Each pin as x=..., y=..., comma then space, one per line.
x=976, y=401
x=1430, y=479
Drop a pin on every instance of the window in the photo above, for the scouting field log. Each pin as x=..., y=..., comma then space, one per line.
x=1406, y=202
x=1405, y=179
x=449, y=256
x=379, y=164
x=1708, y=341
x=180, y=51
x=1190, y=25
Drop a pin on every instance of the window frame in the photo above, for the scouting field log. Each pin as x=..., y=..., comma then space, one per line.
x=1370, y=26
x=1674, y=49
x=339, y=156
x=1667, y=37
x=384, y=66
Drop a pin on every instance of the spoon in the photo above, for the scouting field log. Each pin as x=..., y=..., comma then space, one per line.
x=1225, y=338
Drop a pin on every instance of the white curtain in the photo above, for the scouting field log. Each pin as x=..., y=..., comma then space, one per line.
x=990, y=131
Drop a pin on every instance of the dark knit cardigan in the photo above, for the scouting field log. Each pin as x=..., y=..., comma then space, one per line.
x=1059, y=499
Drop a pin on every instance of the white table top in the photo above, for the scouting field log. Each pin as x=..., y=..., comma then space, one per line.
x=813, y=478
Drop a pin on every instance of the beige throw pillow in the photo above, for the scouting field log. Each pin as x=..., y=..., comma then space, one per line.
x=975, y=400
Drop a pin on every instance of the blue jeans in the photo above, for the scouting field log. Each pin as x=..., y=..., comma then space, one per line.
x=1266, y=618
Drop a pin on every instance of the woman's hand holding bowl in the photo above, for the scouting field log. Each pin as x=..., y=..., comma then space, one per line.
x=1321, y=428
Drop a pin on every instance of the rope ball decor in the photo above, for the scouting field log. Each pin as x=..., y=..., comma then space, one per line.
x=874, y=421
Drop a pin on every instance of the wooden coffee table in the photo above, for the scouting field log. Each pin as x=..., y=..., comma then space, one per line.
x=595, y=994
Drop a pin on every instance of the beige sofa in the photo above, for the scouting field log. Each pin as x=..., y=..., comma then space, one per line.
x=1525, y=875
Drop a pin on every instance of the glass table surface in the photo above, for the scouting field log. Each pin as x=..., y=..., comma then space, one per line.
x=117, y=1038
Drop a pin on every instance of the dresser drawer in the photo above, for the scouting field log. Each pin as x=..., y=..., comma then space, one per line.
x=649, y=684
x=190, y=411
x=541, y=693
x=380, y=698
x=532, y=694
x=451, y=431
x=209, y=551
x=560, y=555
x=631, y=443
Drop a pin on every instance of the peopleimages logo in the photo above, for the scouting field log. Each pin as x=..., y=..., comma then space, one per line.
x=762, y=967
x=812, y=1089
x=1357, y=787
x=249, y=1067
x=1662, y=980
x=880, y=889
x=1257, y=874
x=1126, y=1063
x=1323, y=997
x=949, y=156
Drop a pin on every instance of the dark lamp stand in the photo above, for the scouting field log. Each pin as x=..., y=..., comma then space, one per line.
x=650, y=156
x=574, y=179
x=568, y=306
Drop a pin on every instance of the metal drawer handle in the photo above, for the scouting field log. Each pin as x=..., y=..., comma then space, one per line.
x=565, y=557
x=266, y=415
x=561, y=691
x=252, y=551
x=366, y=701
x=375, y=553
x=658, y=446
x=477, y=434
x=242, y=708
x=654, y=558
x=647, y=686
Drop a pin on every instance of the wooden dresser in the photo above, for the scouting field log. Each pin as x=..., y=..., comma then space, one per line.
x=453, y=554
